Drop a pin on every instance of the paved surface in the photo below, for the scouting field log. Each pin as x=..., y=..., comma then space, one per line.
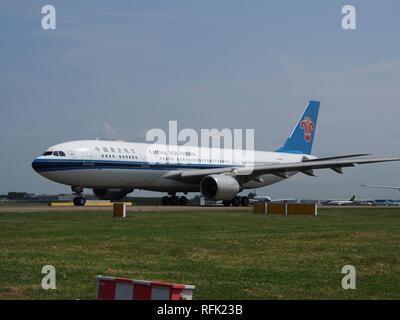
x=41, y=208
x=34, y=208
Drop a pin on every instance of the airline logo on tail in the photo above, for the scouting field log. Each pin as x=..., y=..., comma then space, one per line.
x=308, y=127
x=302, y=137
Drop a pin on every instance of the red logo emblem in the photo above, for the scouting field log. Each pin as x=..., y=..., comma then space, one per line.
x=308, y=127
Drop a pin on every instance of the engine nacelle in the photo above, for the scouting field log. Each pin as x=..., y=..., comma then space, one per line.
x=219, y=187
x=111, y=194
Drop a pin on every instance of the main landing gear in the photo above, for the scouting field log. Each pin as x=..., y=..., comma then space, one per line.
x=79, y=200
x=237, y=201
x=174, y=200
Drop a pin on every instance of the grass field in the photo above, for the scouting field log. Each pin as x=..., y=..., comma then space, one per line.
x=226, y=255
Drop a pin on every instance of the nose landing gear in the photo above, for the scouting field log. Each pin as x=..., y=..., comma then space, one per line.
x=79, y=200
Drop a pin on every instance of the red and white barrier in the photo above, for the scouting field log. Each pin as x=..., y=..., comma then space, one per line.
x=111, y=288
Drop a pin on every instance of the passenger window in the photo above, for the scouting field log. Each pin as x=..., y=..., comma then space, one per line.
x=105, y=149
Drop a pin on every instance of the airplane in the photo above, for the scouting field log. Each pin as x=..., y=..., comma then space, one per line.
x=253, y=198
x=261, y=199
x=115, y=168
x=386, y=202
x=380, y=187
x=341, y=202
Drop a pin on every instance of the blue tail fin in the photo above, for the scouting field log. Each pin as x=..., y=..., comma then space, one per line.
x=302, y=137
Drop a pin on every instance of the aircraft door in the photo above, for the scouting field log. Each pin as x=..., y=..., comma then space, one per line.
x=88, y=158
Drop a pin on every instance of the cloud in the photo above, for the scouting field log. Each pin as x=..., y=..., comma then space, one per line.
x=108, y=131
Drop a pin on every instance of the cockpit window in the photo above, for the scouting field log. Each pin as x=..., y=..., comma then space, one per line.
x=54, y=153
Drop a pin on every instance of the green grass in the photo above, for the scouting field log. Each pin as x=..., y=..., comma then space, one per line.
x=226, y=255
x=22, y=203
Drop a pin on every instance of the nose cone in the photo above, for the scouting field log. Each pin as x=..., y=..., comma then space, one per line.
x=35, y=165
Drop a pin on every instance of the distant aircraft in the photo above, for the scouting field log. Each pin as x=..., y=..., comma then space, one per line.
x=261, y=199
x=256, y=198
x=380, y=187
x=386, y=202
x=341, y=202
x=115, y=168
x=253, y=197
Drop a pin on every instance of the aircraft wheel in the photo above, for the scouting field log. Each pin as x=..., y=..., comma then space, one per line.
x=166, y=201
x=226, y=203
x=79, y=201
x=183, y=201
x=236, y=201
x=174, y=200
x=245, y=201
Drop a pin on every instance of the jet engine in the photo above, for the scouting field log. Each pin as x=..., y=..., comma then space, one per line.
x=111, y=194
x=219, y=187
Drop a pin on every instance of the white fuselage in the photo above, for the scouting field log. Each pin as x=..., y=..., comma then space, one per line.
x=118, y=164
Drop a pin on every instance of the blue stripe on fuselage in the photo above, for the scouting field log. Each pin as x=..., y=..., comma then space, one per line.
x=44, y=165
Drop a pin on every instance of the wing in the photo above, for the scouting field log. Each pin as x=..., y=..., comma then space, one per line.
x=247, y=173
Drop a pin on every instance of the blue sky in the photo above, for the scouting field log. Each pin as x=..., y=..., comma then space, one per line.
x=113, y=70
